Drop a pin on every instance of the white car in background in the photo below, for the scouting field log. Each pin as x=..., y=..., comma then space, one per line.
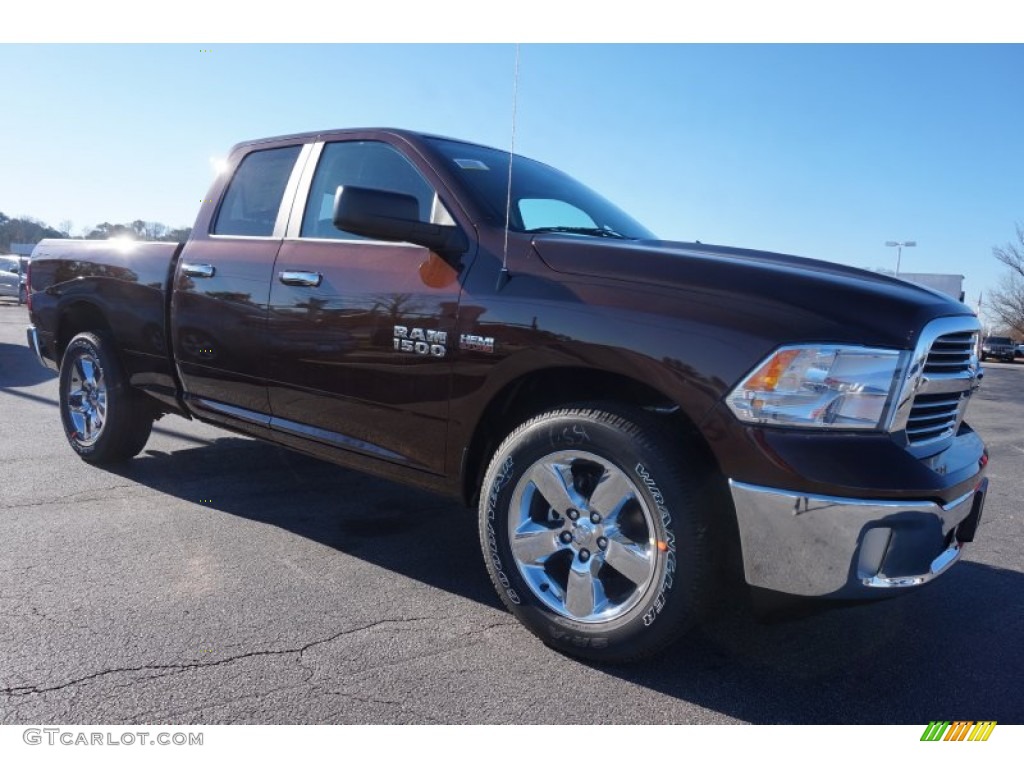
x=12, y=278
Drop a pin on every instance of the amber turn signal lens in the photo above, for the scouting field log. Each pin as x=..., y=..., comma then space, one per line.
x=766, y=378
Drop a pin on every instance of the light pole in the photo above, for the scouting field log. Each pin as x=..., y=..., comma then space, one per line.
x=899, y=250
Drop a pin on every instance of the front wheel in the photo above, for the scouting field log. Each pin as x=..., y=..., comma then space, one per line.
x=596, y=531
x=105, y=421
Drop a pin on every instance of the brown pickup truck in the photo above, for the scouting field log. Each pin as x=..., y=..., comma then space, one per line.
x=630, y=415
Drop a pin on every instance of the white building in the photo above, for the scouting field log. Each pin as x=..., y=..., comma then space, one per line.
x=951, y=285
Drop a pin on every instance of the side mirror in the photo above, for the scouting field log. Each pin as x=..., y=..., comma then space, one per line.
x=394, y=217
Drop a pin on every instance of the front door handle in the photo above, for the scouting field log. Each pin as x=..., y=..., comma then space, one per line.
x=198, y=270
x=289, y=277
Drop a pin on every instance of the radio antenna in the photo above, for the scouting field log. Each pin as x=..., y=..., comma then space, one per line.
x=503, y=276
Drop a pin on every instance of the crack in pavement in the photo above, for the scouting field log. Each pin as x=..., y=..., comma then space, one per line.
x=28, y=690
x=489, y=627
x=101, y=491
x=367, y=671
x=163, y=715
x=309, y=673
x=401, y=706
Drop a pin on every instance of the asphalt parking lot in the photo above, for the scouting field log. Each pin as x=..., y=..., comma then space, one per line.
x=219, y=580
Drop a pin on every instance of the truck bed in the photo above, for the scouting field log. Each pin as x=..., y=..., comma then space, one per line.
x=124, y=281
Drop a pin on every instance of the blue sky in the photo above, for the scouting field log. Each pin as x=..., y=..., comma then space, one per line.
x=820, y=150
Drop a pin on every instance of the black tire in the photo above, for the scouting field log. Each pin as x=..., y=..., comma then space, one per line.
x=663, y=516
x=22, y=295
x=105, y=420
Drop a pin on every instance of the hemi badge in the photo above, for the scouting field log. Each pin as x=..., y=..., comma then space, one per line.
x=473, y=343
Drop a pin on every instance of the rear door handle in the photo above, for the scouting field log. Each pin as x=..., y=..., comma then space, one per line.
x=289, y=277
x=198, y=270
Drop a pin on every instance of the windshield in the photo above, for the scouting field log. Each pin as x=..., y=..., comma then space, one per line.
x=999, y=340
x=543, y=199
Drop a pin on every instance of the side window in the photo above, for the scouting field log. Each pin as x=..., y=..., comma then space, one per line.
x=254, y=195
x=370, y=164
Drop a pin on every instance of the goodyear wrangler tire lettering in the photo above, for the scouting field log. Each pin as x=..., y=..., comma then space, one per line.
x=499, y=482
x=670, y=537
x=593, y=526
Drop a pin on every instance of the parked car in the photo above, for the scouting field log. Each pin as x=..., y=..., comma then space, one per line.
x=998, y=347
x=1020, y=350
x=630, y=416
x=12, y=278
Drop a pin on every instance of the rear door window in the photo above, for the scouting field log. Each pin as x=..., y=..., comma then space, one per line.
x=253, y=197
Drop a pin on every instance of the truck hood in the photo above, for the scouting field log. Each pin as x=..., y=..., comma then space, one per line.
x=794, y=295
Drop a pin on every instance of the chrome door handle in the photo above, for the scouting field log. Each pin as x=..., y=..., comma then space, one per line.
x=289, y=277
x=198, y=270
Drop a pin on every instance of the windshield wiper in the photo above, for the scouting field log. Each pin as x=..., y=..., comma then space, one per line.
x=594, y=231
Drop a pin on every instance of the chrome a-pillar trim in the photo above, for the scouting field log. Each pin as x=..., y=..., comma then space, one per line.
x=816, y=546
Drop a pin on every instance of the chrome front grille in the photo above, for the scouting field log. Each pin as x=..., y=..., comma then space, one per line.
x=951, y=353
x=941, y=376
x=933, y=416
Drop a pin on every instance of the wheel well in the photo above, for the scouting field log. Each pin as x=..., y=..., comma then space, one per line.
x=545, y=390
x=80, y=316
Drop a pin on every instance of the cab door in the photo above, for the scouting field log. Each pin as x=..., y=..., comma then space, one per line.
x=361, y=332
x=221, y=286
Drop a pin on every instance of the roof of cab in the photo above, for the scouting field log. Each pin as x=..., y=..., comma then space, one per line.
x=313, y=135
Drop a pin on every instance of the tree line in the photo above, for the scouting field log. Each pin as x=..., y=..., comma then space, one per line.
x=23, y=230
x=27, y=229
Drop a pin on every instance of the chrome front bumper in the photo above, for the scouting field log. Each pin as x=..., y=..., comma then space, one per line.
x=36, y=346
x=818, y=546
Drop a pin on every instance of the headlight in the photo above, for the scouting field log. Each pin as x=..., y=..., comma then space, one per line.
x=819, y=386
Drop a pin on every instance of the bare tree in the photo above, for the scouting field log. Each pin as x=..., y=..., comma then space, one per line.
x=155, y=230
x=1006, y=303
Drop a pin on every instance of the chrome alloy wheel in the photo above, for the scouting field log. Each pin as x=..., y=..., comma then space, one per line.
x=87, y=399
x=582, y=536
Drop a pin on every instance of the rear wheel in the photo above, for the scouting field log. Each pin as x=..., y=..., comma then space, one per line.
x=596, y=531
x=105, y=421
x=22, y=295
